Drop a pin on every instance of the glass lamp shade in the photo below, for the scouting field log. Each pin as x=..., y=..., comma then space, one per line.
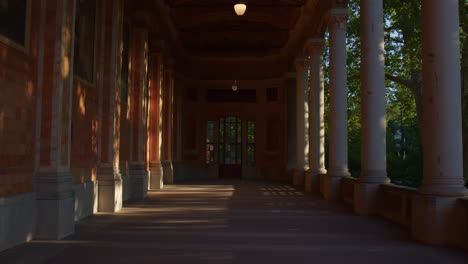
x=240, y=8
x=234, y=85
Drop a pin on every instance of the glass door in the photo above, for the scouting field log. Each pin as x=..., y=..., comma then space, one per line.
x=230, y=147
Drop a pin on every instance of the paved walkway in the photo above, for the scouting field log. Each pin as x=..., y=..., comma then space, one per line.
x=233, y=222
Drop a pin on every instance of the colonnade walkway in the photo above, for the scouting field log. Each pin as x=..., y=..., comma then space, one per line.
x=233, y=222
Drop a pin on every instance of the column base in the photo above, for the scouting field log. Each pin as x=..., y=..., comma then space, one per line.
x=139, y=179
x=55, y=205
x=156, y=178
x=126, y=182
x=437, y=220
x=312, y=181
x=168, y=172
x=110, y=194
x=331, y=187
x=298, y=177
x=365, y=198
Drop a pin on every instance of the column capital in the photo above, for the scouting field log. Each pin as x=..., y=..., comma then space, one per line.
x=300, y=64
x=338, y=17
x=314, y=44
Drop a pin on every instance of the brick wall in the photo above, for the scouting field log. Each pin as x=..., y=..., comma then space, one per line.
x=18, y=90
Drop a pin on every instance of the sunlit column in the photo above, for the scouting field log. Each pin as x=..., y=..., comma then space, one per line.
x=108, y=175
x=138, y=167
x=373, y=121
x=302, y=131
x=435, y=219
x=314, y=48
x=54, y=217
x=338, y=122
x=155, y=121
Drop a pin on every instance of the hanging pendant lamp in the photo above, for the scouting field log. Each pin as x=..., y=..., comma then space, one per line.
x=234, y=85
x=240, y=7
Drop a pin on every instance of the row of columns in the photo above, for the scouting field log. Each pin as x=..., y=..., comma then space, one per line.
x=433, y=207
x=150, y=107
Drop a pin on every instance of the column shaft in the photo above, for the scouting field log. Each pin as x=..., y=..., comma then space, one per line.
x=108, y=175
x=373, y=119
x=314, y=48
x=373, y=164
x=53, y=179
x=155, y=120
x=338, y=122
x=302, y=130
x=443, y=147
x=436, y=217
x=138, y=167
x=168, y=104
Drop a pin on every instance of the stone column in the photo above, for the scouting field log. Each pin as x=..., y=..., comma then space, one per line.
x=338, y=122
x=314, y=48
x=155, y=135
x=290, y=86
x=53, y=179
x=302, y=118
x=108, y=174
x=373, y=135
x=138, y=168
x=168, y=103
x=435, y=216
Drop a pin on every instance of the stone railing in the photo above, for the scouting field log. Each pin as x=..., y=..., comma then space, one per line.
x=464, y=204
x=394, y=203
x=347, y=190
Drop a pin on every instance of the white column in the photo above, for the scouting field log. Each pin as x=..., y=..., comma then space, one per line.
x=338, y=122
x=435, y=212
x=314, y=48
x=373, y=120
x=302, y=130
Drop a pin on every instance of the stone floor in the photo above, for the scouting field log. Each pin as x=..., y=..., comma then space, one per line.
x=233, y=222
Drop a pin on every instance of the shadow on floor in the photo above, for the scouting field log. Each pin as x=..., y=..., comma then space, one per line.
x=233, y=221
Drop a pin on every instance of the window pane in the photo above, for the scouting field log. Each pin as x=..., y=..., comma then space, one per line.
x=221, y=130
x=251, y=154
x=238, y=154
x=209, y=131
x=13, y=20
x=84, y=39
x=210, y=153
x=250, y=132
x=221, y=153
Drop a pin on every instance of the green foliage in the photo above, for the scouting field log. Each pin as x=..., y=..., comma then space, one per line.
x=403, y=56
x=403, y=67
